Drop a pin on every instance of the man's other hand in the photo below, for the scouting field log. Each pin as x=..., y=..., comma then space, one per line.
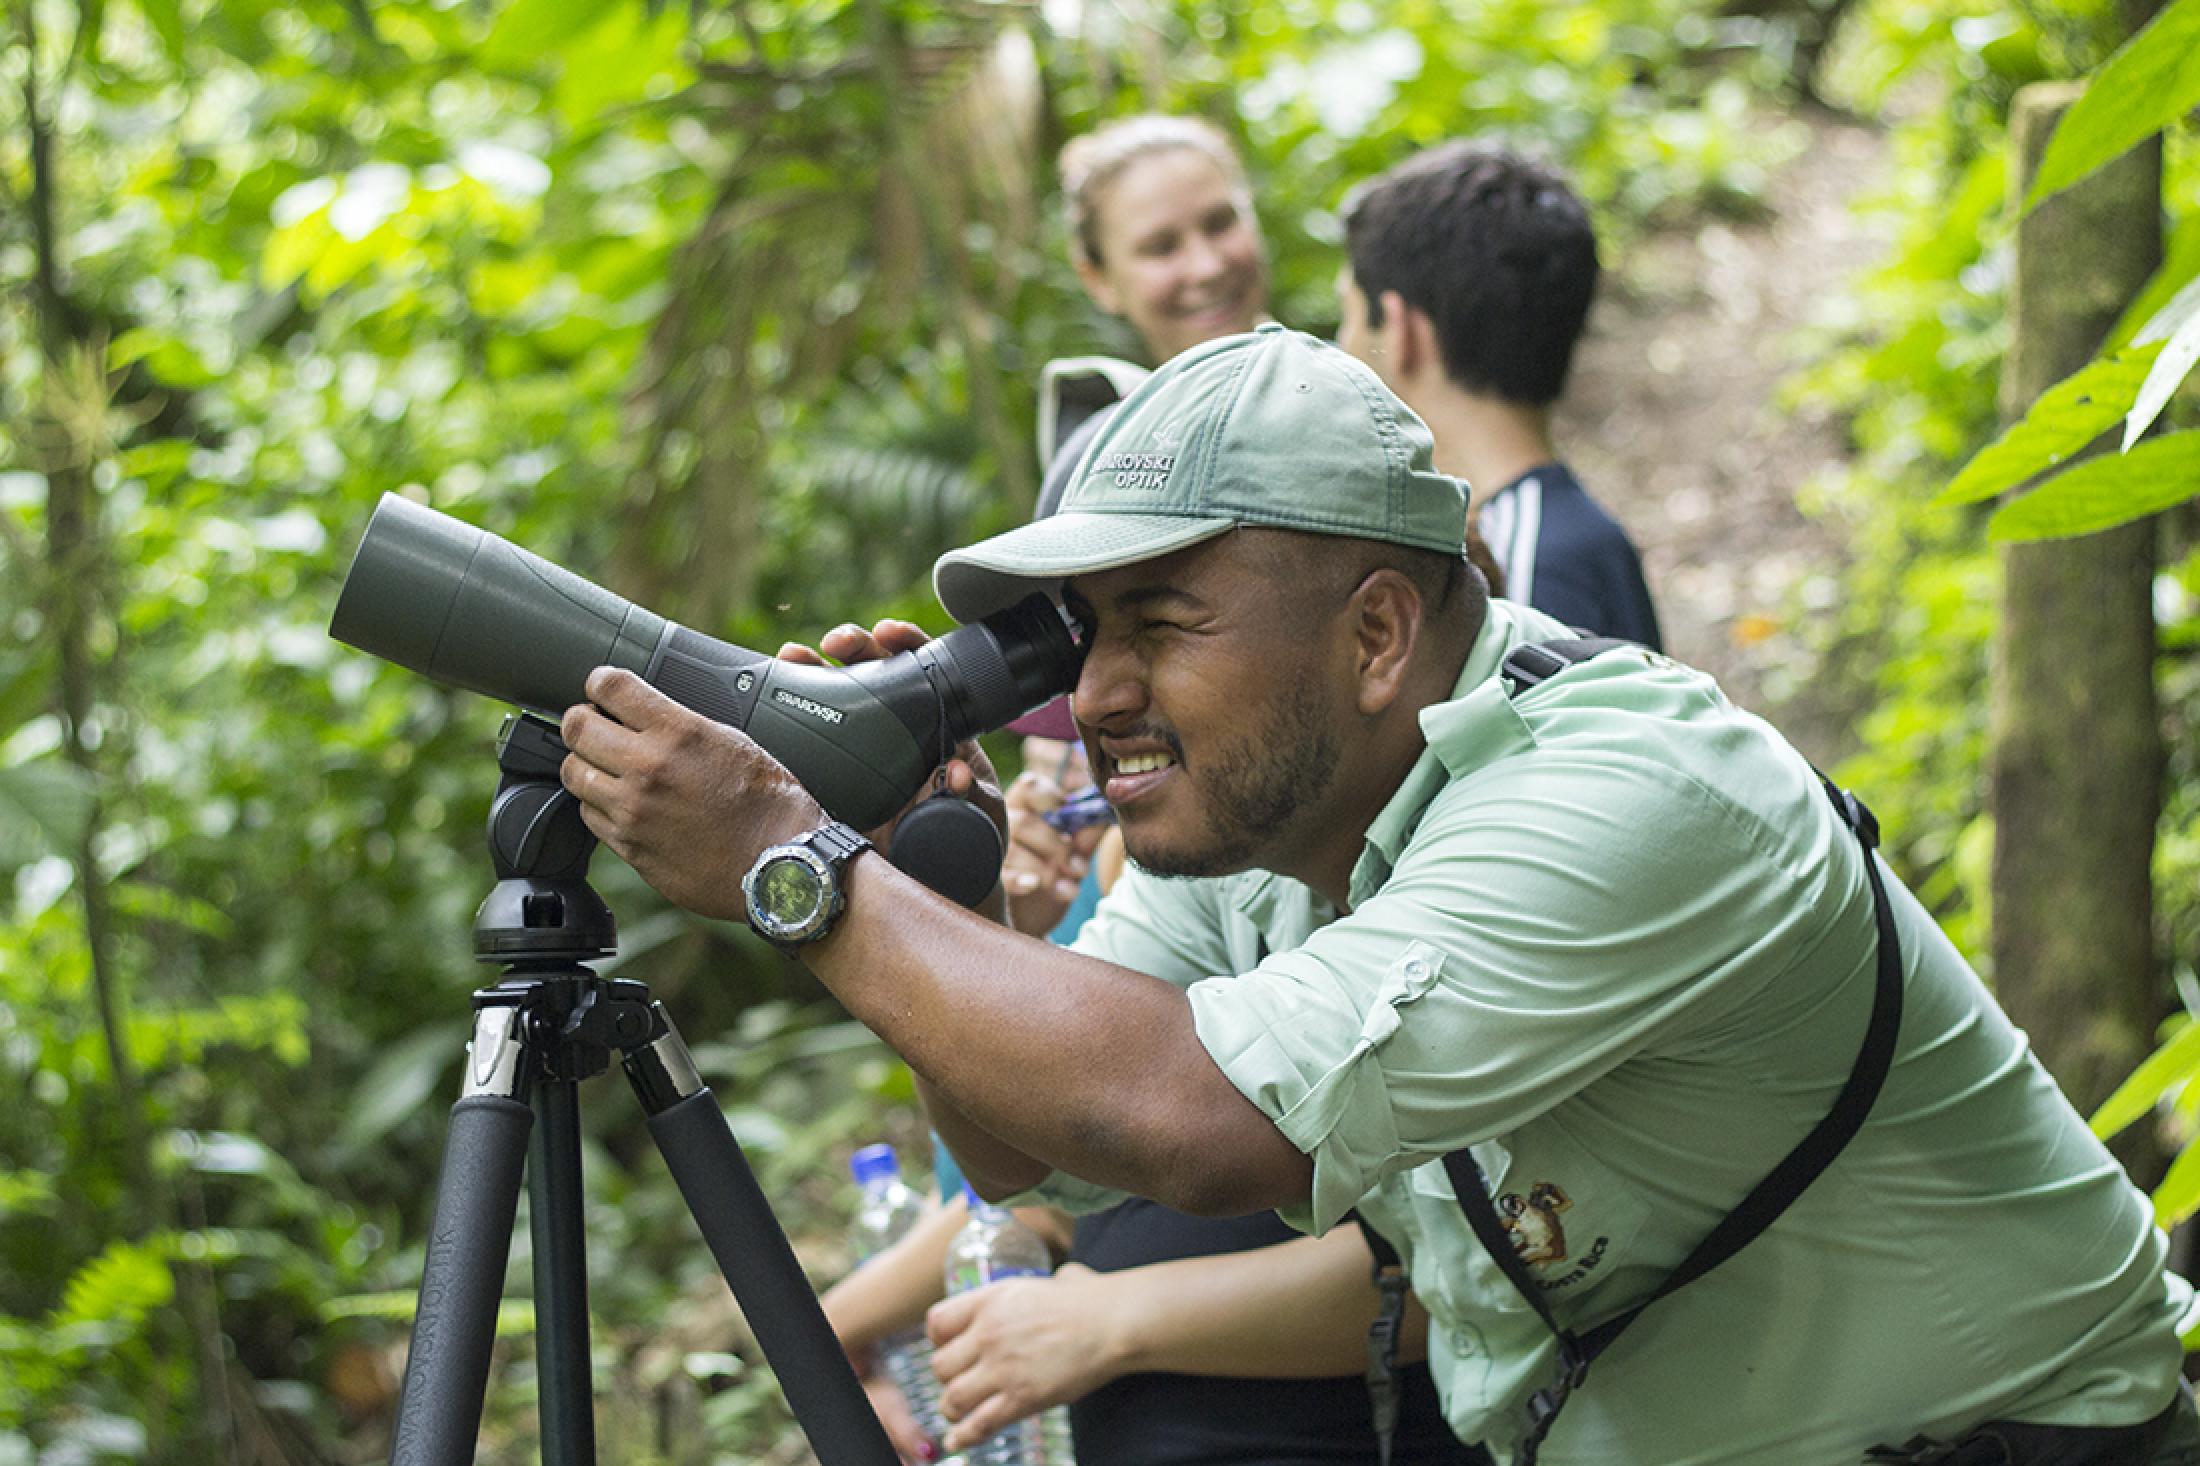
x=967, y=774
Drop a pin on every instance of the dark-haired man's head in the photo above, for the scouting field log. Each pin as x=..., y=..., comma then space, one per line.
x=1493, y=249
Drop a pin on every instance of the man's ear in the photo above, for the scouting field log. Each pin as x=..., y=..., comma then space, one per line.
x=1408, y=337
x=1095, y=281
x=1387, y=619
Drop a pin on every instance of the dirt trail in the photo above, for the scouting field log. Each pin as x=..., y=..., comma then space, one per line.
x=1671, y=416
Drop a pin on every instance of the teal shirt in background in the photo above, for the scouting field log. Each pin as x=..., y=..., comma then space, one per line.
x=1610, y=934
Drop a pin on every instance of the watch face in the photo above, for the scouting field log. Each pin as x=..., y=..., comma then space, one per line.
x=787, y=895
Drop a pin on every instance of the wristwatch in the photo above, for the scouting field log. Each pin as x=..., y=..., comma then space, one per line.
x=794, y=890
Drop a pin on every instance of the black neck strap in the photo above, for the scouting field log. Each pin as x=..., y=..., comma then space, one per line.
x=1527, y=666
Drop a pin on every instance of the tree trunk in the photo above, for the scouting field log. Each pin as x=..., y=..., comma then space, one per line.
x=2076, y=754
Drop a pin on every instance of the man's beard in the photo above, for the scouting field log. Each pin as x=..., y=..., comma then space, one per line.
x=1250, y=792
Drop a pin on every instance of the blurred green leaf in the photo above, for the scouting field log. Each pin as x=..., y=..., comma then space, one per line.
x=2171, y=1066
x=2105, y=491
x=529, y=30
x=166, y=19
x=2178, y=327
x=2067, y=417
x=2178, y=1197
x=118, y=1288
x=2148, y=84
x=44, y=805
x=400, y=1082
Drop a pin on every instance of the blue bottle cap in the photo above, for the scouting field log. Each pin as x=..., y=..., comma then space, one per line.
x=874, y=1163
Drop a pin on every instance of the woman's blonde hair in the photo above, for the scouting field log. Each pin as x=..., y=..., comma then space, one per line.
x=1090, y=163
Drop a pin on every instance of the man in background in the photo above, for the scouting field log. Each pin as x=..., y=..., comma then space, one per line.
x=1468, y=279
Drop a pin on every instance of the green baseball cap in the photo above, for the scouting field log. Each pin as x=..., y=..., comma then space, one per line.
x=1269, y=428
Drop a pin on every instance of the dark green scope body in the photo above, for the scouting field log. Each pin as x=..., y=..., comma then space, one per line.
x=462, y=606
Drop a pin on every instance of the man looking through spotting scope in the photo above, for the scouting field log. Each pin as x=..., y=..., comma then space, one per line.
x=1596, y=930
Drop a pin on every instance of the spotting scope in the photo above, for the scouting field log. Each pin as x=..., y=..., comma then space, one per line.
x=462, y=606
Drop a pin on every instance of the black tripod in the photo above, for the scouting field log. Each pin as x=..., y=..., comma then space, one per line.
x=548, y=1025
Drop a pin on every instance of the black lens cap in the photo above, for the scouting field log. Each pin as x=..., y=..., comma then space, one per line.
x=952, y=846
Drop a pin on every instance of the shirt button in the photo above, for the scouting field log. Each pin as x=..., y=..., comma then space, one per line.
x=1416, y=969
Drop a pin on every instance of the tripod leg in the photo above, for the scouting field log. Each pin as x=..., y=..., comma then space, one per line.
x=738, y=1225
x=447, y=1369
x=566, y=1404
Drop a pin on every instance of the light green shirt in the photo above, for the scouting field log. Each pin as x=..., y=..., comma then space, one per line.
x=1610, y=934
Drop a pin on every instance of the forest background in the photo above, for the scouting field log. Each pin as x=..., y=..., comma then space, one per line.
x=737, y=309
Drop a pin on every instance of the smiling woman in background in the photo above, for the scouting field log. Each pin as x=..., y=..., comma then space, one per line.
x=1162, y=231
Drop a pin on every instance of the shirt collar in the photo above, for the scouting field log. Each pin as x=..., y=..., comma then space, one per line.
x=1462, y=735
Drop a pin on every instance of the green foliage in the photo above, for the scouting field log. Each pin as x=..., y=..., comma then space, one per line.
x=1913, y=361
x=2178, y=328
x=2067, y=417
x=2147, y=85
x=1918, y=609
x=2104, y=492
x=2165, y=1079
x=734, y=309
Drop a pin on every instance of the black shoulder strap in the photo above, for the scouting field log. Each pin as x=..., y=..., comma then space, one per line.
x=1526, y=666
x=1533, y=662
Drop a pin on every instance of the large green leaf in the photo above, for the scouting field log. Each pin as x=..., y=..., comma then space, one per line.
x=2068, y=415
x=400, y=1082
x=43, y=807
x=2173, y=1064
x=2179, y=1194
x=2104, y=492
x=2179, y=326
x=2150, y=83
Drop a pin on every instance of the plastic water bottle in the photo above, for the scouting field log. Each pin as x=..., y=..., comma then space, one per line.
x=886, y=1213
x=992, y=1247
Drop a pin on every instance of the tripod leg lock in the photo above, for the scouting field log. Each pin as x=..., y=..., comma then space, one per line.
x=659, y=1067
x=496, y=1060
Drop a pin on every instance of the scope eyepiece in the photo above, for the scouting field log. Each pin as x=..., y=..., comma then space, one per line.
x=1014, y=659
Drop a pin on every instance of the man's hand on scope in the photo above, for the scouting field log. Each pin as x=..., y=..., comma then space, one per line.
x=687, y=801
x=690, y=803
x=967, y=774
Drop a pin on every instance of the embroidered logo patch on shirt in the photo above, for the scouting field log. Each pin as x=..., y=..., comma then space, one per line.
x=1539, y=1237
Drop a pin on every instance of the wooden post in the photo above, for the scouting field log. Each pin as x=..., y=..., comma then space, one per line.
x=2075, y=744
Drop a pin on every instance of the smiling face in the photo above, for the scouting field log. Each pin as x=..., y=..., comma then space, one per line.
x=1180, y=254
x=1213, y=709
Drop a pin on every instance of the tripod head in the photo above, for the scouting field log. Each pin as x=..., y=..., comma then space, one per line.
x=542, y=912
